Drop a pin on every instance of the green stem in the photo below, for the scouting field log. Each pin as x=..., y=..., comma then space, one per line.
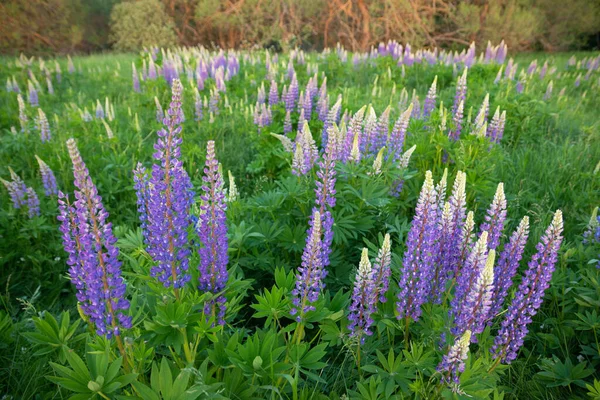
x=186, y=347
x=406, y=331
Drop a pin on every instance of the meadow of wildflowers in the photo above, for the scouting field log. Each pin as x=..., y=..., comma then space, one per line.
x=401, y=223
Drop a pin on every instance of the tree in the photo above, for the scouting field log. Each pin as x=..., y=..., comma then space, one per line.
x=139, y=24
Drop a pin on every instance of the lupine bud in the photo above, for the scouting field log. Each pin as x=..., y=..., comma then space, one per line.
x=482, y=115
x=32, y=95
x=287, y=123
x=22, y=113
x=495, y=218
x=109, y=132
x=548, y=93
x=529, y=295
x=141, y=186
x=99, y=110
x=43, y=126
x=381, y=269
x=48, y=178
x=457, y=119
x=398, y=134
x=417, y=265
x=453, y=363
x=363, y=300
x=232, y=193
x=429, y=105
x=376, y=169
x=461, y=92
x=213, y=236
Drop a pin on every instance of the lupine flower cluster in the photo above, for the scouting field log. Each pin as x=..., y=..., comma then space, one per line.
x=95, y=269
x=495, y=218
x=529, y=295
x=309, y=279
x=453, y=362
x=166, y=199
x=212, y=231
x=475, y=307
x=48, y=178
x=364, y=299
x=43, y=126
x=507, y=266
x=33, y=203
x=17, y=189
x=418, y=261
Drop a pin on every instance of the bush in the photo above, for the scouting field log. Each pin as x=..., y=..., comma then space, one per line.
x=135, y=25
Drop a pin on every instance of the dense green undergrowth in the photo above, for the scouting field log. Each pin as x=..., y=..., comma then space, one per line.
x=548, y=159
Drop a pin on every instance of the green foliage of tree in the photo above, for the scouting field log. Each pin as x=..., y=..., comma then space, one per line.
x=139, y=24
x=40, y=25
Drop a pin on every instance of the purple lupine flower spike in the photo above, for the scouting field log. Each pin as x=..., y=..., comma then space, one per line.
x=43, y=126
x=467, y=277
x=141, y=187
x=467, y=237
x=309, y=279
x=325, y=195
x=364, y=300
x=453, y=363
x=97, y=274
x=16, y=188
x=169, y=200
x=135, y=79
x=273, y=94
x=457, y=119
x=22, y=113
x=508, y=265
x=213, y=236
x=33, y=203
x=353, y=133
x=381, y=269
x=475, y=307
x=287, y=123
x=32, y=95
x=529, y=295
x=429, y=104
x=48, y=178
x=461, y=91
x=495, y=218
x=417, y=265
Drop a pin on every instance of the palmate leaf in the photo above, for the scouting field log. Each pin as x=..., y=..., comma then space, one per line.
x=271, y=305
x=556, y=373
x=98, y=376
x=53, y=335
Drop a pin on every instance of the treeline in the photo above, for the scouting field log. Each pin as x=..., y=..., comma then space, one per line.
x=38, y=26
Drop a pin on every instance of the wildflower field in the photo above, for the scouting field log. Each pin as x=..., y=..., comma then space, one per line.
x=402, y=223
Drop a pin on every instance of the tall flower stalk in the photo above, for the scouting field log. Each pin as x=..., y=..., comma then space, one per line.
x=169, y=199
x=495, y=218
x=48, y=178
x=309, y=279
x=529, y=295
x=95, y=269
x=213, y=236
x=507, y=266
x=364, y=300
x=417, y=265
